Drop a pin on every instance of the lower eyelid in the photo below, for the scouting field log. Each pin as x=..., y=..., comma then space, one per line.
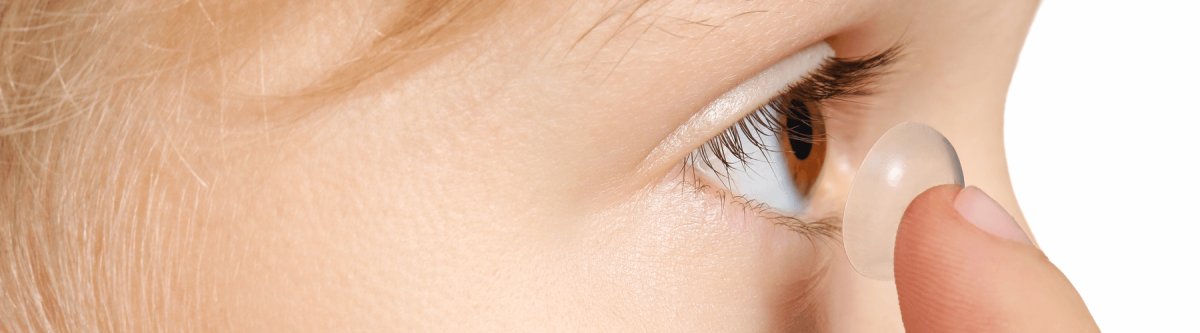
x=731, y=204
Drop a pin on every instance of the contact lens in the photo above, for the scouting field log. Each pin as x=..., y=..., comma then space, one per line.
x=907, y=160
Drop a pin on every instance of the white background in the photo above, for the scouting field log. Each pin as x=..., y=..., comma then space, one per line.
x=1103, y=132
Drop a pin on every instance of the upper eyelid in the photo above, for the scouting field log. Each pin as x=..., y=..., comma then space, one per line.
x=834, y=79
x=756, y=91
x=739, y=102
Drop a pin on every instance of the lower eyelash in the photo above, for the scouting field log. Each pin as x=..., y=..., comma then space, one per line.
x=825, y=229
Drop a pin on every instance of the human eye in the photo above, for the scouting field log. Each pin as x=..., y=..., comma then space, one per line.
x=772, y=159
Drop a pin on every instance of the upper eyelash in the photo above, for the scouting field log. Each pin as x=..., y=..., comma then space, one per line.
x=835, y=79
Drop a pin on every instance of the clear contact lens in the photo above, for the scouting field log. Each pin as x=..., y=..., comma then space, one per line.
x=908, y=159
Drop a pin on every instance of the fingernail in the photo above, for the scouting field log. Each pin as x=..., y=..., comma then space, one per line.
x=987, y=214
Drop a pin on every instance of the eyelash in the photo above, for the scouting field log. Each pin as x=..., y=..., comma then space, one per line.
x=836, y=79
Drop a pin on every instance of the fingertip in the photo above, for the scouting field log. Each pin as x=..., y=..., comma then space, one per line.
x=988, y=215
x=955, y=276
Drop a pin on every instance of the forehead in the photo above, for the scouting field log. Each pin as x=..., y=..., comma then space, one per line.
x=602, y=37
x=323, y=48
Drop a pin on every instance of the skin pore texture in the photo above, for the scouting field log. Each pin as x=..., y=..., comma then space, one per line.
x=521, y=181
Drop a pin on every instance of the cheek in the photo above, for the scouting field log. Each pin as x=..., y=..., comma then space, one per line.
x=681, y=257
x=359, y=249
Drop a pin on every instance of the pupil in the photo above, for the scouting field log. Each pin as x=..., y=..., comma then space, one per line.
x=798, y=132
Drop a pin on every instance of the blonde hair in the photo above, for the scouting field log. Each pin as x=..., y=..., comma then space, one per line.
x=87, y=89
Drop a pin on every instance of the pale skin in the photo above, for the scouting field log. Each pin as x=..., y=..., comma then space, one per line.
x=521, y=182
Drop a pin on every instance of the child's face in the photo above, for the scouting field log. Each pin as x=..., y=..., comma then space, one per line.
x=525, y=180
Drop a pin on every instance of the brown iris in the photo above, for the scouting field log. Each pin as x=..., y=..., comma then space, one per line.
x=803, y=140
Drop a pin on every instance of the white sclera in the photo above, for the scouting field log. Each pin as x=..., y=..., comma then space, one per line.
x=907, y=160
